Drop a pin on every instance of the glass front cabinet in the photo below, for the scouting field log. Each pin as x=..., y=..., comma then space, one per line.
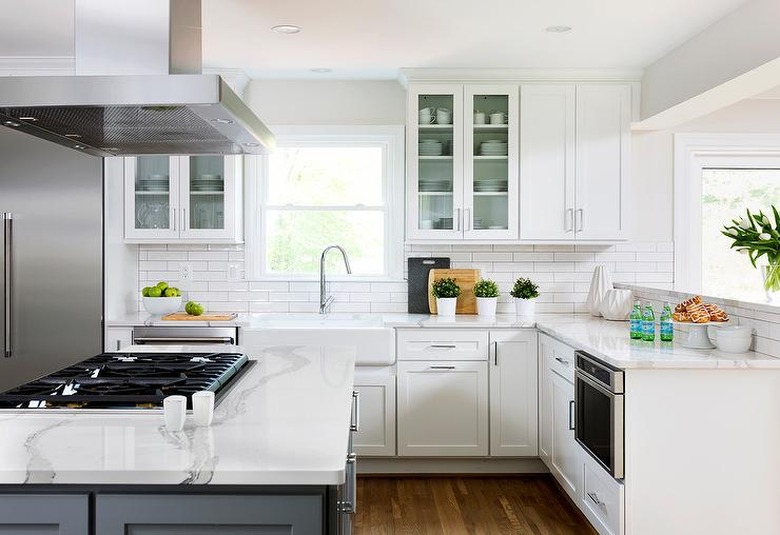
x=462, y=159
x=193, y=199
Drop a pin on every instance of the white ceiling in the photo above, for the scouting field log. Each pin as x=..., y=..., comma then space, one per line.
x=363, y=38
x=370, y=39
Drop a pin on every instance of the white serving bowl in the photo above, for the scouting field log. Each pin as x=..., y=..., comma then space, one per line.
x=161, y=305
x=733, y=338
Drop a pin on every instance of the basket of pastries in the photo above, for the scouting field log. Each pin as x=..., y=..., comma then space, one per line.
x=693, y=310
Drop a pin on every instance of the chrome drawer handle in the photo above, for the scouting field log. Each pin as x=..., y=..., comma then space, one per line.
x=442, y=367
x=442, y=346
x=355, y=424
x=562, y=361
x=595, y=499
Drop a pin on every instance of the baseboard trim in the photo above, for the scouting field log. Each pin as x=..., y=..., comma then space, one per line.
x=456, y=466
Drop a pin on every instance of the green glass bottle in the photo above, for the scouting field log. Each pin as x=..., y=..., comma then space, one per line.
x=636, y=321
x=666, y=328
x=648, y=323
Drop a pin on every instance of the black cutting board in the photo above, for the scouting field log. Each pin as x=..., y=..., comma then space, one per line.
x=418, y=281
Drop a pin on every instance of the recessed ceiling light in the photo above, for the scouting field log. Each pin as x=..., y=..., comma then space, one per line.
x=79, y=147
x=12, y=124
x=321, y=69
x=74, y=136
x=286, y=28
x=558, y=29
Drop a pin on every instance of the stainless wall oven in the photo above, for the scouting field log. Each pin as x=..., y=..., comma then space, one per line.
x=598, y=397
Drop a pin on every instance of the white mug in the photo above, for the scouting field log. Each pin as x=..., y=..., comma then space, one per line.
x=175, y=412
x=443, y=116
x=203, y=407
x=426, y=118
x=479, y=117
x=497, y=117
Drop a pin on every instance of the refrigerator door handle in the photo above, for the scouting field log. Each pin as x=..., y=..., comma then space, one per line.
x=7, y=280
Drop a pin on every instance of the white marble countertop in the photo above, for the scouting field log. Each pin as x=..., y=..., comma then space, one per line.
x=609, y=341
x=286, y=422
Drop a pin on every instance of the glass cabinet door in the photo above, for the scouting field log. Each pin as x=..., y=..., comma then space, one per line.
x=491, y=168
x=206, y=210
x=435, y=162
x=154, y=187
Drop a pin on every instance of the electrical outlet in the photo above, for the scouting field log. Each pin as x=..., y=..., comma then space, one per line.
x=233, y=273
x=185, y=272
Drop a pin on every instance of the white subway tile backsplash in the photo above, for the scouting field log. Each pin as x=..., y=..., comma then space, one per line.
x=562, y=271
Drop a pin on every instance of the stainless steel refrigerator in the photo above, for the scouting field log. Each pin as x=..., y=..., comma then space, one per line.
x=51, y=257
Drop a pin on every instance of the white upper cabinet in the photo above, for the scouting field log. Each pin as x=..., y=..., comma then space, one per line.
x=186, y=199
x=462, y=150
x=574, y=161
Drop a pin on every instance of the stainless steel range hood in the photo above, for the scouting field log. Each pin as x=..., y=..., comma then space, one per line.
x=136, y=114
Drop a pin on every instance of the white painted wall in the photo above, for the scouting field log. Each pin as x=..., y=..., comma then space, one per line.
x=328, y=102
x=740, y=42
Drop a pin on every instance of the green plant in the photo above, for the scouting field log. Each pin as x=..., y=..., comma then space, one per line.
x=524, y=289
x=756, y=237
x=486, y=288
x=445, y=288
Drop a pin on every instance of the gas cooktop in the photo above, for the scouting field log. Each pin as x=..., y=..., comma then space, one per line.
x=129, y=381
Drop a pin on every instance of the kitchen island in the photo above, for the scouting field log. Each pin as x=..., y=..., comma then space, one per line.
x=274, y=456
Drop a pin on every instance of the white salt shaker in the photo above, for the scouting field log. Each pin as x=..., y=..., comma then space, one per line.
x=203, y=407
x=175, y=412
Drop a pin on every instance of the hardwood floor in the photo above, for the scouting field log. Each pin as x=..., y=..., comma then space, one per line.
x=465, y=505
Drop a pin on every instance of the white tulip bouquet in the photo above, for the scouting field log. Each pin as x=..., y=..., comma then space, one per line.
x=755, y=236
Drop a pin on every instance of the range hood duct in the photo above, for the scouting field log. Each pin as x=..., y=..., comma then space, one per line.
x=135, y=114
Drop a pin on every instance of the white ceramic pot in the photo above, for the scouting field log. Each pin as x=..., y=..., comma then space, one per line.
x=486, y=306
x=445, y=306
x=733, y=338
x=525, y=307
x=161, y=305
x=616, y=305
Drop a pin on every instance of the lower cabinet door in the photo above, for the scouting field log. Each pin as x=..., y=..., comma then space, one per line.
x=376, y=428
x=442, y=408
x=123, y=514
x=565, y=458
x=44, y=514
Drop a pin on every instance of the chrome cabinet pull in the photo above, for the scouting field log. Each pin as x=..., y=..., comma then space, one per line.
x=571, y=415
x=495, y=353
x=568, y=219
x=349, y=504
x=457, y=218
x=7, y=284
x=580, y=218
x=467, y=219
x=562, y=361
x=173, y=219
x=118, y=345
x=442, y=367
x=442, y=346
x=595, y=499
x=354, y=425
x=184, y=219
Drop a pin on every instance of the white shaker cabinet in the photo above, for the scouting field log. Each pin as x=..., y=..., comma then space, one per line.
x=513, y=393
x=574, y=161
x=558, y=448
x=462, y=169
x=376, y=426
x=442, y=393
x=184, y=199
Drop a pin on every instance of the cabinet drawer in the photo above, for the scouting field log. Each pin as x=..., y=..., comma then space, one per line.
x=442, y=344
x=602, y=499
x=561, y=359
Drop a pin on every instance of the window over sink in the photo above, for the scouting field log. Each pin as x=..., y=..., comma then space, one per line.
x=326, y=185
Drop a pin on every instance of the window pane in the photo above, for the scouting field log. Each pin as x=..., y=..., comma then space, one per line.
x=326, y=176
x=726, y=193
x=295, y=240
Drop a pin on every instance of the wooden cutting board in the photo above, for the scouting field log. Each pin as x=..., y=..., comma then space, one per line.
x=183, y=316
x=466, y=279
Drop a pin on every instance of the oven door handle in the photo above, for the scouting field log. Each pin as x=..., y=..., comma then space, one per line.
x=598, y=386
x=184, y=340
x=571, y=415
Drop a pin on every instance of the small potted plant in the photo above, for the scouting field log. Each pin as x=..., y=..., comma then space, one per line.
x=486, y=292
x=446, y=292
x=525, y=292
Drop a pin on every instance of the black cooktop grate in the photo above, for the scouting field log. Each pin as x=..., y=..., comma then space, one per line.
x=129, y=380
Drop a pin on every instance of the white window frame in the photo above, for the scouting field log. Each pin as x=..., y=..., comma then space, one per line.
x=692, y=154
x=391, y=138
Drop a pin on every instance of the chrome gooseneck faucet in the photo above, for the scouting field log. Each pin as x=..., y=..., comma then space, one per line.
x=326, y=301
